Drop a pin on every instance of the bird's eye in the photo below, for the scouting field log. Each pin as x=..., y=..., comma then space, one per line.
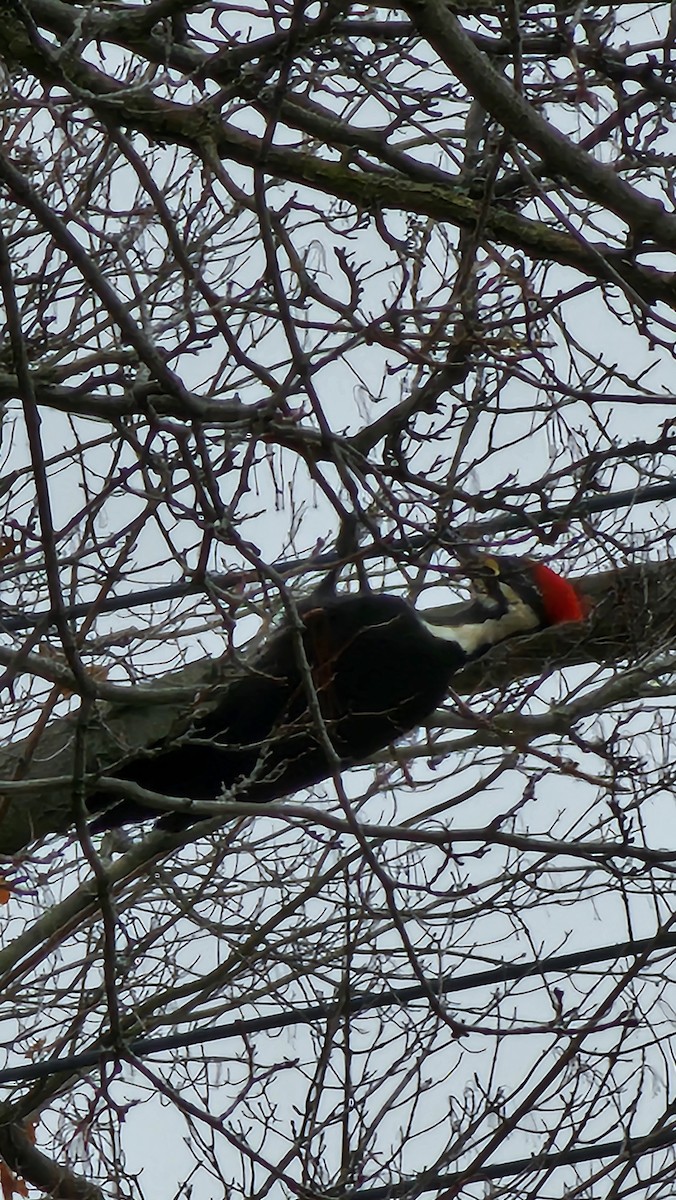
x=491, y=565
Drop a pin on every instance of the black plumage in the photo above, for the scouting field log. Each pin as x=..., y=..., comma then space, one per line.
x=374, y=670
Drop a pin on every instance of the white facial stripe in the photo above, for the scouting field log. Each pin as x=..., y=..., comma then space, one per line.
x=512, y=597
x=470, y=638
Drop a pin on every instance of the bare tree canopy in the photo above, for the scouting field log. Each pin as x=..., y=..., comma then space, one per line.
x=267, y=269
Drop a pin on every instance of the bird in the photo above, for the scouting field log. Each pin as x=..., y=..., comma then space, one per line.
x=354, y=673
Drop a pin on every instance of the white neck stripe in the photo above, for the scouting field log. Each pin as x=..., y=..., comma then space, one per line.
x=471, y=638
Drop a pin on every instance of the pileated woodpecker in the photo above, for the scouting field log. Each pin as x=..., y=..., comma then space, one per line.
x=374, y=668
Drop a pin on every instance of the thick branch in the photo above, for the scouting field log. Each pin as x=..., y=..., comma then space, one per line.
x=202, y=129
x=634, y=614
x=31, y=1164
x=642, y=213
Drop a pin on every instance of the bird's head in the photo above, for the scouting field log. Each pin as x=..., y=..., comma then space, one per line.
x=510, y=596
x=506, y=585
